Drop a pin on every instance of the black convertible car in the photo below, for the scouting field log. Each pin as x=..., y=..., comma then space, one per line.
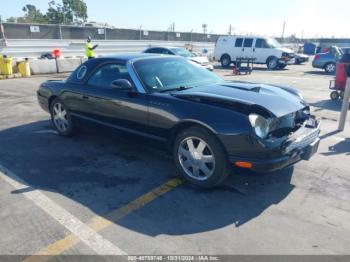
x=209, y=124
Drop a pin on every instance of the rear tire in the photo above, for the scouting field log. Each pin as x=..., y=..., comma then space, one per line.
x=225, y=61
x=200, y=157
x=61, y=118
x=330, y=68
x=334, y=95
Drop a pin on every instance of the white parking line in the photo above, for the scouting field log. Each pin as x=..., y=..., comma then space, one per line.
x=46, y=131
x=92, y=239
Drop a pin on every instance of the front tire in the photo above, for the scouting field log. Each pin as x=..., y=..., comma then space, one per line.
x=272, y=63
x=282, y=66
x=61, y=118
x=200, y=157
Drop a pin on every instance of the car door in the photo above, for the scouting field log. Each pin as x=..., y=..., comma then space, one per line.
x=236, y=50
x=114, y=107
x=262, y=50
x=247, y=50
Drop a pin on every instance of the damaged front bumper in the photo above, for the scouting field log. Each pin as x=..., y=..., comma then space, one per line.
x=301, y=145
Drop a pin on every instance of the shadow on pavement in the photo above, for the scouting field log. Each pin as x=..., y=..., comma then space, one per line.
x=342, y=147
x=256, y=68
x=104, y=171
x=318, y=73
x=328, y=105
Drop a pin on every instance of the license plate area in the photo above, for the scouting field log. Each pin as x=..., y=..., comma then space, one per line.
x=311, y=150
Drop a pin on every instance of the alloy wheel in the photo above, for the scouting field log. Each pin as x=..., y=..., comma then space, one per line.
x=225, y=61
x=272, y=63
x=330, y=68
x=196, y=158
x=60, y=119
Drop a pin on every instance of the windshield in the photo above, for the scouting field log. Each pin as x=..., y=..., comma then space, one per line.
x=273, y=43
x=182, y=52
x=161, y=74
x=339, y=51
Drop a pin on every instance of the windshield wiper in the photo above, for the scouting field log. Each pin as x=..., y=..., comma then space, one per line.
x=181, y=88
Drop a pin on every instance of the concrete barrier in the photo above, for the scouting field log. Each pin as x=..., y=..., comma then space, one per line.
x=67, y=65
x=32, y=48
x=39, y=67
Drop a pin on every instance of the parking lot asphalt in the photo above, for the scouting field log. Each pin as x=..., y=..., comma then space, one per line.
x=111, y=193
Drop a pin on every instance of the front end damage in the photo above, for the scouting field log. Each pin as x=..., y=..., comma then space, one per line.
x=292, y=138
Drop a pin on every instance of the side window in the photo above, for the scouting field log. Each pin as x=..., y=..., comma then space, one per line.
x=258, y=43
x=248, y=42
x=239, y=42
x=167, y=52
x=153, y=51
x=261, y=43
x=162, y=51
x=104, y=76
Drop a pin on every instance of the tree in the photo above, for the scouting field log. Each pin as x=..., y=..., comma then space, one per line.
x=76, y=10
x=55, y=13
x=63, y=12
x=33, y=15
x=69, y=12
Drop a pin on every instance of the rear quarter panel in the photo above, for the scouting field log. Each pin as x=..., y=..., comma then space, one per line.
x=47, y=91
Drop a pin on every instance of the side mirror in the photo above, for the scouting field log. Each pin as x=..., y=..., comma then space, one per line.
x=122, y=84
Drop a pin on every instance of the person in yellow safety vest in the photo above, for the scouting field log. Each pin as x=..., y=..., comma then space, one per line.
x=89, y=49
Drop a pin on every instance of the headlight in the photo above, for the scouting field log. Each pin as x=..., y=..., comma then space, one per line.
x=260, y=125
x=194, y=61
x=300, y=96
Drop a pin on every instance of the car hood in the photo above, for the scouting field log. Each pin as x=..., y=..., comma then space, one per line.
x=199, y=59
x=286, y=50
x=302, y=55
x=279, y=101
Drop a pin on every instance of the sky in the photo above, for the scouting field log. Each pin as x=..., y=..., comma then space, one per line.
x=307, y=18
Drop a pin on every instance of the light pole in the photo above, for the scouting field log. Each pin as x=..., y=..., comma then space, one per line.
x=345, y=106
x=284, y=27
x=140, y=32
x=60, y=30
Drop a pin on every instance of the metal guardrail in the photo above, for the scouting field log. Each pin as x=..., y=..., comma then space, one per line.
x=71, y=48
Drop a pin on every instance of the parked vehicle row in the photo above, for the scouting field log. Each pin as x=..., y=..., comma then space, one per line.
x=264, y=50
x=328, y=60
x=179, y=51
x=209, y=125
x=301, y=58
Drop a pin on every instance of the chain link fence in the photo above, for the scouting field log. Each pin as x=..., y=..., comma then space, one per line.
x=41, y=31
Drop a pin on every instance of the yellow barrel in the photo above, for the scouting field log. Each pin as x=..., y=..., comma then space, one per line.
x=24, y=68
x=6, y=65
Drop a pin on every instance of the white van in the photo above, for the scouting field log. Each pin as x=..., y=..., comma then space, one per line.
x=264, y=50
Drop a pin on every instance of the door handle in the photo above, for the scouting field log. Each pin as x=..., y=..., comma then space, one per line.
x=85, y=97
x=243, y=49
x=253, y=49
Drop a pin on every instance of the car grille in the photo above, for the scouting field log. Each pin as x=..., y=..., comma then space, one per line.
x=304, y=140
